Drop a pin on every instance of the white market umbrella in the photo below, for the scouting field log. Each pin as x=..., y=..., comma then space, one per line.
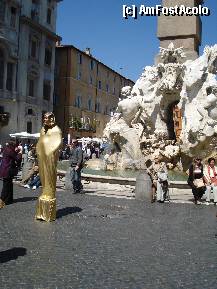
x=24, y=134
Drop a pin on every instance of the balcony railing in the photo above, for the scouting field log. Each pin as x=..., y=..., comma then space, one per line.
x=4, y=94
x=31, y=100
x=77, y=125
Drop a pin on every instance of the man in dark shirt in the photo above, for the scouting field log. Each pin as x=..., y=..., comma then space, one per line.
x=76, y=158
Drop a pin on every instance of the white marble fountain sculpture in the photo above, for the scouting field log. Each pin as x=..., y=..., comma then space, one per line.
x=141, y=127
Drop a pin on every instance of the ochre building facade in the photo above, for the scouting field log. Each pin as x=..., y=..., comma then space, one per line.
x=86, y=92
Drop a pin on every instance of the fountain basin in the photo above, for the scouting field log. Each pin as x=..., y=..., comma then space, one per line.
x=122, y=181
x=120, y=174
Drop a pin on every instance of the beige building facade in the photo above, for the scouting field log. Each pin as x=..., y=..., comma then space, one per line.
x=86, y=92
x=27, y=61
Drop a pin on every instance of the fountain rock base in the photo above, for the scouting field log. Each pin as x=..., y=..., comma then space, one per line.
x=169, y=113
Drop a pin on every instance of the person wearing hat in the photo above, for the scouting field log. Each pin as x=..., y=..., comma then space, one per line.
x=76, y=158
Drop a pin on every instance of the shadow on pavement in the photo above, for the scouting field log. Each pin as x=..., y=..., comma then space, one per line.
x=12, y=254
x=67, y=211
x=25, y=199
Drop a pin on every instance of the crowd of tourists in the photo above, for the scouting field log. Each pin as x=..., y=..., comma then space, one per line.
x=17, y=156
x=201, y=178
x=203, y=181
x=90, y=149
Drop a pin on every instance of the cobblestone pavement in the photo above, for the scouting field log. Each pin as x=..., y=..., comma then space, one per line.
x=98, y=243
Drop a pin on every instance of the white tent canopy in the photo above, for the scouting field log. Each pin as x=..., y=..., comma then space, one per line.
x=25, y=135
x=88, y=140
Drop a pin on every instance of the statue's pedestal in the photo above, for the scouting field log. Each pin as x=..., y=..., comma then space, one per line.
x=143, y=190
x=68, y=181
x=46, y=210
x=27, y=166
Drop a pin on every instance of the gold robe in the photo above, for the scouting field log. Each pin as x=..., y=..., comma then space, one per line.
x=48, y=151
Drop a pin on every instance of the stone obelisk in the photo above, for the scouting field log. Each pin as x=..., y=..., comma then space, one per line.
x=184, y=31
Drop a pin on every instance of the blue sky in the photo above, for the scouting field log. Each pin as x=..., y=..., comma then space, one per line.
x=125, y=45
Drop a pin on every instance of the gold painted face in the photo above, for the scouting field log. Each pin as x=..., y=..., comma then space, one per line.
x=48, y=121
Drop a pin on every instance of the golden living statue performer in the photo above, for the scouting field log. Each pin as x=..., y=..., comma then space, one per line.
x=48, y=151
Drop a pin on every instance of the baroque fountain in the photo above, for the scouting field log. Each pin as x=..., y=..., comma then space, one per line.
x=170, y=112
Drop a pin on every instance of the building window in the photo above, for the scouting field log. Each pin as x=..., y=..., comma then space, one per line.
x=106, y=110
x=46, y=90
x=48, y=56
x=87, y=123
x=89, y=104
x=78, y=101
x=49, y=14
x=31, y=87
x=30, y=111
x=55, y=99
x=2, y=110
x=79, y=75
x=91, y=80
x=1, y=73
x=113, y=90
x=42, y=115
x=100, y=84
x=1, y=69
x=35, y=10
x=2, y=11
x=79, y=58
x=13, y=17
x=33, y=48
x=1, y=54
x=107, y=88
x=9, y=76
x=97, y=69
x=97, y=106
x=91, y=64
x=29, y=127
